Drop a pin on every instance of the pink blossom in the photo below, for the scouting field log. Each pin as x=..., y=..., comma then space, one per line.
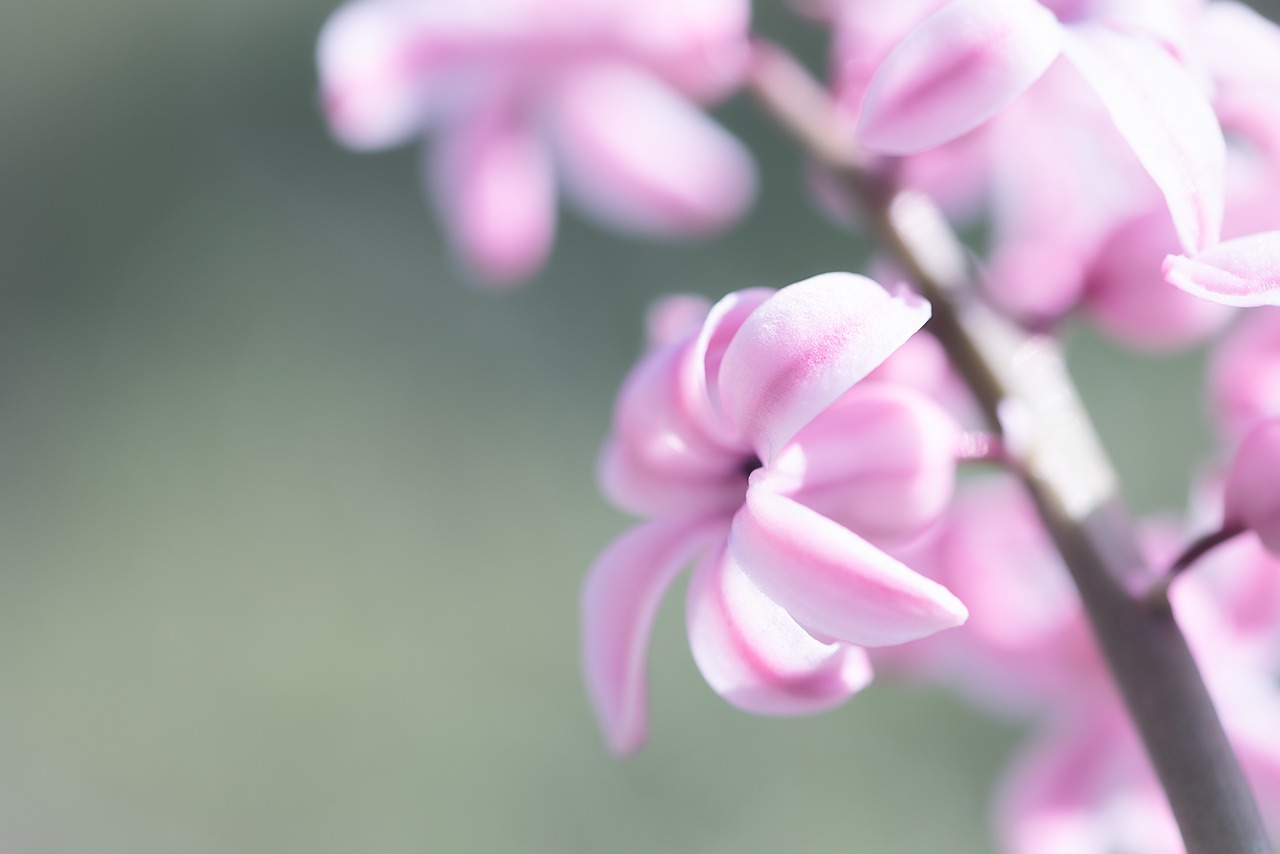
x=1252, y=497
x=969, y=60
x=1084, y=785
x=1244, y=374
x=746, y=441
x=1241, y=48
x=597, y=95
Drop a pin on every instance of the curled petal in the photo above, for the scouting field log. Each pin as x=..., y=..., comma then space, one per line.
x=1164, y=115
x=722, y=324
x=956, y=70
x=619, y=602
x=1244, y=271
x=682, y=480
x=755, y=656
x=668, y=451
x=641, y=158
x=831, y=581
x=1253, y=486
x=493, y=185
x=806, y=346
x=880, y=461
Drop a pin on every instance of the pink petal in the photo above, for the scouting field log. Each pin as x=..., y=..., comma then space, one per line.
x=493, y=186
x=675, y=317
x=656, y=483
x=641, y=158
x=1241, y=46
x=1253, y=486
x=370, y=95
x=619, y=601
x=701, y=48
x=1163, y=113
x=755, y=656
x=1025, y=644
x=1129, y=300
x=1084, y=788
x=959, y=68
x=1244, y=373
x=831, y=581
x=722, y=325
x=803, y=348
x=668, y=452
x=1244, y=271
x=388, y=68
x=881, y=461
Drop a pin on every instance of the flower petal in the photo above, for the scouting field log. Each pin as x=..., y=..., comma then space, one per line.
x=640, y=157
x=831, y=581
x=619, y=602
x=755, y=656
x=1244, y=373
x=1084, y=788
x=389, y=68
x=804, y=347
x=1129, y=300
x=1163, y=113
x=1244, y=271
x=880, y=461
x=956, y=70
x=669, y=452
x=493, y=186
x=370, y=94
x=1252, y=497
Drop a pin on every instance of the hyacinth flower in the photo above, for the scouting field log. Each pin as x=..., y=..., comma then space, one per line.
x=743, y=438
x=1083, y=785
x=1244, y=374
x=1079, y=226
x=971, y=59
x=1252, y=500
x=600, y=97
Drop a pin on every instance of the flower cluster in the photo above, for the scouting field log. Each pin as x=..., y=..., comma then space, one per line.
x=798, y=447
x=599, y=95
x=746, y=437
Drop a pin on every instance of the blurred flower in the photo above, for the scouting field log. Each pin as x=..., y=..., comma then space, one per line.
x=1084, y=784
x=745, y=440
x=970, y=59
x=598, y=95
x=1252, y=497
x=1244, y=374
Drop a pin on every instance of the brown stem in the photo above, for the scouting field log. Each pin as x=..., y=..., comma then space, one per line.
x=1158, y=595
x=1022, y=386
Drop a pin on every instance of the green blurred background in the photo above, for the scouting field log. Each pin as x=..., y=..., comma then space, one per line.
x=292, y=521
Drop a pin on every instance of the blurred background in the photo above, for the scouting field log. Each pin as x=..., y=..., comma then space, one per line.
x=292, y=521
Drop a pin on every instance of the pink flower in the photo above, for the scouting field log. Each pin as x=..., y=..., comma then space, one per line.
x=1084, y=785
x=972, y=58
x=1244, y=374
x=598, y=95
x=744, y=440
x=1253, y=485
